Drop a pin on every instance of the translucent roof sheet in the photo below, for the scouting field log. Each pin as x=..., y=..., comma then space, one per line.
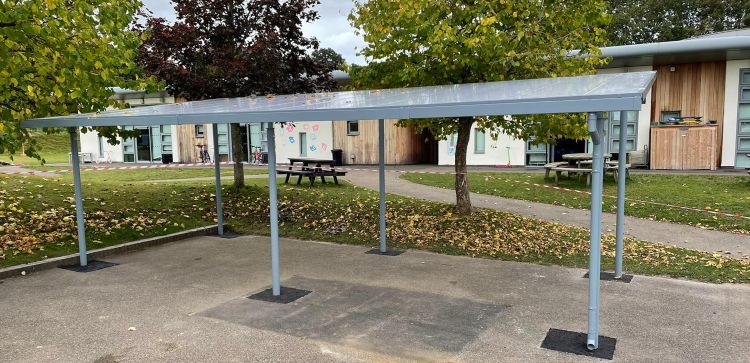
x=606, y=92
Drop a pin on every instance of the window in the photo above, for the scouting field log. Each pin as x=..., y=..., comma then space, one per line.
x=666, y=115
x=479, y=139
x=200, y=131
x=352, y=127
x=745, y=76
x=743, y=122
x=302, y=144
x=101, y=147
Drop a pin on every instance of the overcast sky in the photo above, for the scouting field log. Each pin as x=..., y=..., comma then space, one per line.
x=332, y=29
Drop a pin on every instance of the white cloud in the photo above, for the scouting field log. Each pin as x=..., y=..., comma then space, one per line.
x=332, y=29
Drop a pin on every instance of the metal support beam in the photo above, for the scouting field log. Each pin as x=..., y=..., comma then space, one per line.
x=274, y=211
x=381, y=170
x=621, y=173
x=82, y=257
x=596, y=128
x=217, y=175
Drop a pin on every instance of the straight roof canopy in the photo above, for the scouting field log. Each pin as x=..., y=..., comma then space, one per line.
x=592, y=94
x=606, y=92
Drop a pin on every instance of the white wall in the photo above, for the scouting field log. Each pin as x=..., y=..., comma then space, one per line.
x=644, y=116
x=731, y=104
x=90, y=144
x=495, y=151
x=319, y=140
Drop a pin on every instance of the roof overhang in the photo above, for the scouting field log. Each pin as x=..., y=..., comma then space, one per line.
x=596, y=93
x=676, y=52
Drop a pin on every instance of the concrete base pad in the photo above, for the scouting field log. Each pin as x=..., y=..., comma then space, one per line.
x=287, y=295
x=574, y=342
x=90, y=267
x=376, y=251
x=382, y=319
x=610, y=276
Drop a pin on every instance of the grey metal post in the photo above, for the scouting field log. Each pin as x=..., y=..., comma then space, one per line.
x=381, y=169
x=595, y=126
x=217, y=175
x=82, y=257
x=621, y=172
x=274, y=211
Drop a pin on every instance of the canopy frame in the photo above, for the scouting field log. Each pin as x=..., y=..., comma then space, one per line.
x=589, y=101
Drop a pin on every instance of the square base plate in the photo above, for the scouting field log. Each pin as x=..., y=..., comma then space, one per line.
x=610, y=276
x=288, y=294
x=573, y=342
x=376, y=251
x=229, y=235
x=90, y=267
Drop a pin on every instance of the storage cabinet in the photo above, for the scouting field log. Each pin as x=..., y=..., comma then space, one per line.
x=684, y=147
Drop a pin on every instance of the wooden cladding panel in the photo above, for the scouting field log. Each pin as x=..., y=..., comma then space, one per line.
x=186, y=139
x=402, y=144
x=694, y=89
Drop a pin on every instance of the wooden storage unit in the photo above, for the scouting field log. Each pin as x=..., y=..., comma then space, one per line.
x=684, y=147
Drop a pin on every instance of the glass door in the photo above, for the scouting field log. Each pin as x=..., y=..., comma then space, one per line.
x=143, y=146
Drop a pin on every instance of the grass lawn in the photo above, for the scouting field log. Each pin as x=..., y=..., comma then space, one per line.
x=714, y=192
x=54, y=148
x=37, y=221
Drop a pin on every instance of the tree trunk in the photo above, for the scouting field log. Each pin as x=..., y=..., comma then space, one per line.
x=463, y=202
x=239, y=172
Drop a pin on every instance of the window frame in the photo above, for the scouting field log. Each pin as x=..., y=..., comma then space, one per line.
x=661, y=115
x=477, y=132
x=302, y=145
x=349, y=124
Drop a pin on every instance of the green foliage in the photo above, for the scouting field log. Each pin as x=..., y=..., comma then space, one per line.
x=59, y=57
x=648, y=21
x=424, y=42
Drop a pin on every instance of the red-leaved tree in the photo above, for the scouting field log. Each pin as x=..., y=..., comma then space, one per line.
x=235, y=48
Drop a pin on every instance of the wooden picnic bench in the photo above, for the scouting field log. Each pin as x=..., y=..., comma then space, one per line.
x=312, y=168
x=550, y=166
x=572, y=171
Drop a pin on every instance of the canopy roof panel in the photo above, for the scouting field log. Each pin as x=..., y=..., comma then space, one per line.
x=606, y=92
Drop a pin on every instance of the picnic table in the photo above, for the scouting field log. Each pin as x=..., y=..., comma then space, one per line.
x=577, y=164
x=312, y=168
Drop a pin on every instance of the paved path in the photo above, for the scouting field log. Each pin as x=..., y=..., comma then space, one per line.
x=15, y=170
x=679, y=235
x=185, y=302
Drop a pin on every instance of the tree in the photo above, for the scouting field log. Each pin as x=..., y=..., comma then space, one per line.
x=235, y=48
x=328, y=58
x=428, y=42
x=648, y=21
x=59, y=57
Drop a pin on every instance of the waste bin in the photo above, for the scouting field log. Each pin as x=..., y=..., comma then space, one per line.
x=338, y=156
x=166, y=158
x=264, y=158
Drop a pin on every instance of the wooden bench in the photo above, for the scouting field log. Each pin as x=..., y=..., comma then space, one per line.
x=548, y=167
x=312, y=175
x=570, y=170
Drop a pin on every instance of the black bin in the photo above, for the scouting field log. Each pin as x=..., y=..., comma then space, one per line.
x=338, y=156
x=166, y=158
x=264, y=157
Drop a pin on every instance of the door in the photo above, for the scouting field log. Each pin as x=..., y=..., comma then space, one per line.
x=143, y=146
x=254, y=140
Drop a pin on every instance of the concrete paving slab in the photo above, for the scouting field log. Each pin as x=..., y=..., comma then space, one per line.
x=152, y=307
x=381, y=319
